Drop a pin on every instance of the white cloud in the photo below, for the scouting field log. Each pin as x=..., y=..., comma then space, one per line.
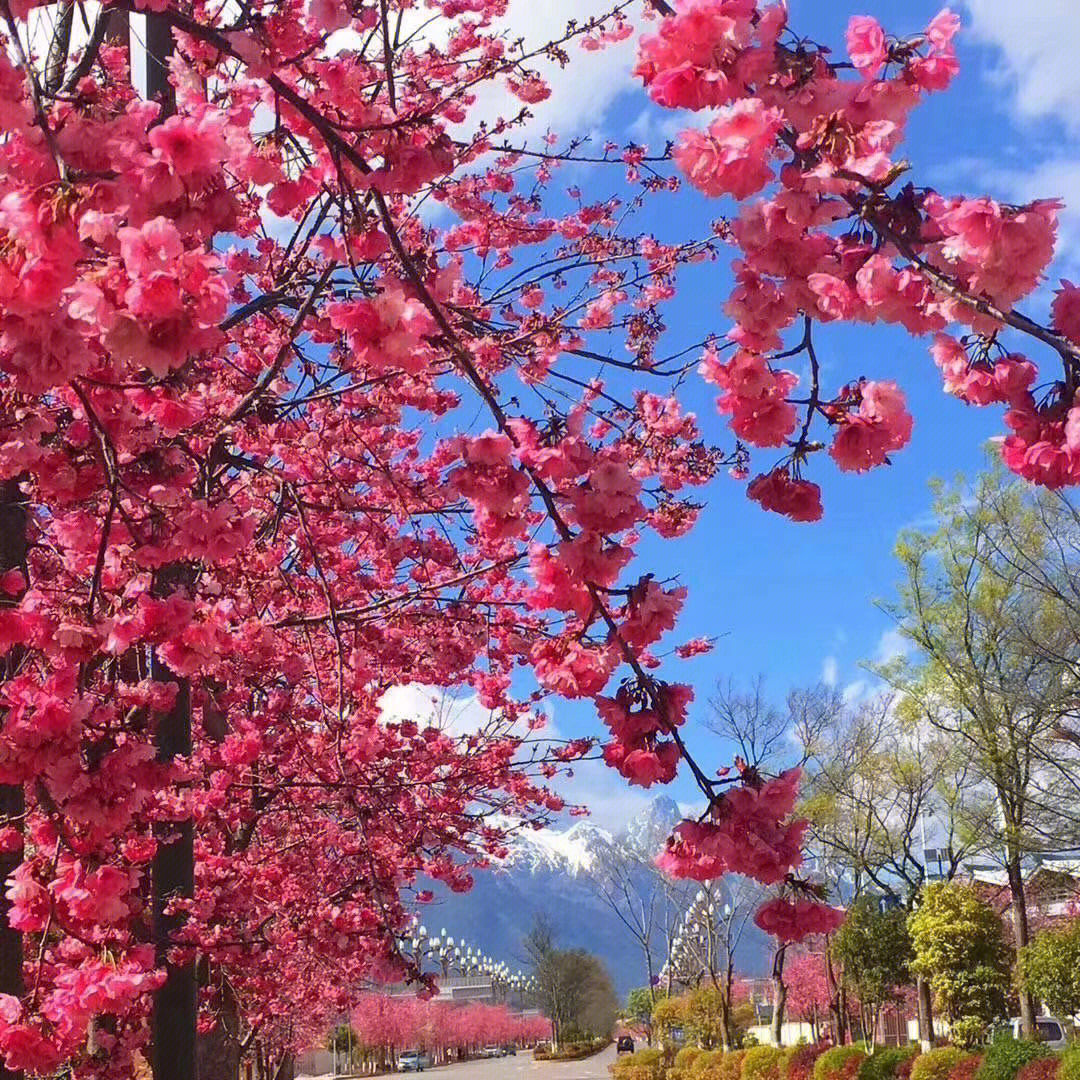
x=1036, y=42
x=830, y=671
x=611, y=801
x=582, y=91
x=892, y=645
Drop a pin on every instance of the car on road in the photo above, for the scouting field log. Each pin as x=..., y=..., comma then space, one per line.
x=509, y=1050
x=492, y=1051
x=624, y=1045
x=1048, y=1030
x=413, y=1061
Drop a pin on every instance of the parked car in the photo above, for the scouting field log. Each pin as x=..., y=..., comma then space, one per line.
x=1049, y=1030
x=624, y=1045
x=491, y=1051
x=509, y=1050
x=413, y=1061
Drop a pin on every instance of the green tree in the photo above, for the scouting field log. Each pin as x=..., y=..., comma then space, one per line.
x=875, y=950
x=957, y=944
x=668, y=1014
x=1049, y=968
x=995, y=665
x=639, y=1003
x=707, y=1017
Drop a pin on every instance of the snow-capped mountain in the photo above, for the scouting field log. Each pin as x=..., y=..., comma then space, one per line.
x=553, y=872
x=583, y=848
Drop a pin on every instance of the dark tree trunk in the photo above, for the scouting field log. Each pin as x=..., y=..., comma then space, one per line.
x=12, y=798
x=779, y=996
x=926, y=1013
x=175, y=1004
x=1018, y=908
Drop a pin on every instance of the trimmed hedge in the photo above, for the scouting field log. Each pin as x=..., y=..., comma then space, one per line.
x=763, y=1063
x=800, y=1060
x=936, y=1064
x=884, y=1063
x=840, y=1063
x=1004, y=1058
x=727, y=1066
x=706, y=1065
x=573, y=1051
x=647, y=1064
x=683, y=1066
x=968, y=1066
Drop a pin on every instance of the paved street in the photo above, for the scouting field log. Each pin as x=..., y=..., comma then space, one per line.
x=522, y=1067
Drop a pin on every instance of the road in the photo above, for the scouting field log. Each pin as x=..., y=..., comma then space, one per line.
x=521, y=1067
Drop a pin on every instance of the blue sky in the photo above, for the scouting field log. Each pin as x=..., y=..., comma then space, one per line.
x=796, y=602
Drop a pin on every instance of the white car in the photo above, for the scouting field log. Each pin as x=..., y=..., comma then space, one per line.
x=1049, y=1030
x=413, y=1061
x=492, y=1051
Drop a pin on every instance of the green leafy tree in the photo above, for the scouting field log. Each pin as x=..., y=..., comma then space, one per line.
x=957, y=944
x=706, y=1017
x=1049, y=968
x=875, y=950
x=989, y=605
x=639, y=1003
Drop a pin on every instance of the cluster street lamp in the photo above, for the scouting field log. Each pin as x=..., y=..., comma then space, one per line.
x=695, y=947
x=455, y=957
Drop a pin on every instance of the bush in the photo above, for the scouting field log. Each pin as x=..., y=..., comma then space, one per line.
x=572, y=1051
x=645, y=1064
x=1040, y=1069
x=903, y=1070
x=683, y=1066
x=728, y=1066
x=1004, y=1058
x=706, y=1065
x=967, y=1032
x=1069, y=1064
x=936, y=1064
x=839, y=1063
x=799, y=1062
x=883, y=1063
x=968, y=1066
x=762, y=1063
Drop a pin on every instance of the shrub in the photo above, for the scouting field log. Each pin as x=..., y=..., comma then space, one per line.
x=936, y=1064
x=706, y=1065
x=883, y=1064
x=839, y=1063
x=1069, y=1064
x=1040, y=1069
x=967, y=1032
x=968, y=1066
x=728, y=1066
x=799, y=1063
x=1004, y=1058
x=903, y=1070
x=762, y=1063
x=683, y=1066
x=647, y=1064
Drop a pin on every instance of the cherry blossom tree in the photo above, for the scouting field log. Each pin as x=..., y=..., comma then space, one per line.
x=247, y=326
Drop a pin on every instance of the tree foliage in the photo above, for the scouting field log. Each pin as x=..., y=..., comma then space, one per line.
x=957, y=943
x=1049, y=968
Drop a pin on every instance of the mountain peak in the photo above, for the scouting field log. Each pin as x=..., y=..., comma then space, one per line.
x=647, y=830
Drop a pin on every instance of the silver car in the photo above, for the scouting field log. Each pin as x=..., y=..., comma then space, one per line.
x=413, y=1061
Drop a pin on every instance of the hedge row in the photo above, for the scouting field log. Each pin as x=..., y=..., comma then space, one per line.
x=573, y=1051
x=1006, y=1059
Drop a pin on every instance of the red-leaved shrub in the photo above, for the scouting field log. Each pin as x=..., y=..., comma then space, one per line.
x=799, y=1064
x=1040, y=1069
x=966, y=1067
